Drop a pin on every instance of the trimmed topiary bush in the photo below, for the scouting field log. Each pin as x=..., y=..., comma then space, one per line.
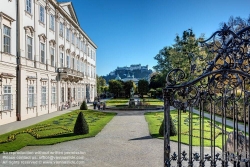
x=173, y=131
x=81, y=125
x=84, y=106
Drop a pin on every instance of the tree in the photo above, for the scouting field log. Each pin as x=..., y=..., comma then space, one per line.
x=81, y=127
x=143, y=87
x=157, y=80
x=159, y=92
x=127, y=87
x=100, y=82
x=182, y=54
x=163, y=60
x=115, y=87
x=152, y=92
x=83, y=106
x=173, y=131
x=105, y=89
x=186, y=51
x=236, y=23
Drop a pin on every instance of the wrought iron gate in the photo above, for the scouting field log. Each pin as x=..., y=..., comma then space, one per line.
x=221, y=85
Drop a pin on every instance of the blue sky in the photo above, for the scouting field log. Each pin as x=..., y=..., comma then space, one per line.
x=133, y=31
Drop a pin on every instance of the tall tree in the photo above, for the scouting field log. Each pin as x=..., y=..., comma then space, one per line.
x=105, y=89
x=163, y=60
x=143, y=87
x=157, y=80
x=127, y=87
x=182, y=54
x=115, y=87
x=237, y=23
x=186, y=48
x=101, y=83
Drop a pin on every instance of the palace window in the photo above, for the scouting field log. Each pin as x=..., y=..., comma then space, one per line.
x=84, y=48
x=68, y=34
x=61, y=29
x=77, y=42
x=73, y=63
x=42, y=52
x=28, y=6
x=31, y=96
x=68, y=61
x=41, y=16
x=52, y=22
x=43, y=95
x=7, y=98
x=61, y=59
x=52, y=56
x=78, y=65
x=73, y=38
x=29, y=47
x=53, y=94
x=6, y=39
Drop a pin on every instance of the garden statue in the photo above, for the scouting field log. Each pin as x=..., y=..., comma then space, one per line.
x=132, y=100
x=242, y=146
x=132, y=93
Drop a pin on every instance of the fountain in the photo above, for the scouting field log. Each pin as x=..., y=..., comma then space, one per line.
x=132, y=99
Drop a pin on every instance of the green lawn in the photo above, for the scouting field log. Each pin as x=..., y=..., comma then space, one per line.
x=123, y=101
x=117, y=101
x=54, y=130
x=154, y=120
x=153, y=101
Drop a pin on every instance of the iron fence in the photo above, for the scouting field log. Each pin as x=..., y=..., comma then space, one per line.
x=221, y=84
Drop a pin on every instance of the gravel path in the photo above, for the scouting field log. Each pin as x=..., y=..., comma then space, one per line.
x=124, y=142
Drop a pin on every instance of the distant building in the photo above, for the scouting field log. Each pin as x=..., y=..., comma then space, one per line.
x=112, y=73
x=118, y=77
x=134, y=72
x=133, y=67
x=123, y=68
x=145, y=68
x=128, y=78
x=131, y=78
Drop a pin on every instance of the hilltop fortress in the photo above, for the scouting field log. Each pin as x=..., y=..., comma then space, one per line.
x=134, y=72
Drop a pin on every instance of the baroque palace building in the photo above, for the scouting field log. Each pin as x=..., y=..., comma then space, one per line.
x=47, y=62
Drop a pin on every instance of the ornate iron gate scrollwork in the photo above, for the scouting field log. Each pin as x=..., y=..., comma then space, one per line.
x=223, y=83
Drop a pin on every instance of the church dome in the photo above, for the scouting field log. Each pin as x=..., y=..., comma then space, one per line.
x=117, y=77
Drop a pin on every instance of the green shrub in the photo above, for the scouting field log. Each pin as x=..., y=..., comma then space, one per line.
x=173, y=131
x=81, y=126
x=84, y=106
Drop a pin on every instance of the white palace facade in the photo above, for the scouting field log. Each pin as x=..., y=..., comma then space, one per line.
x=47, y=62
